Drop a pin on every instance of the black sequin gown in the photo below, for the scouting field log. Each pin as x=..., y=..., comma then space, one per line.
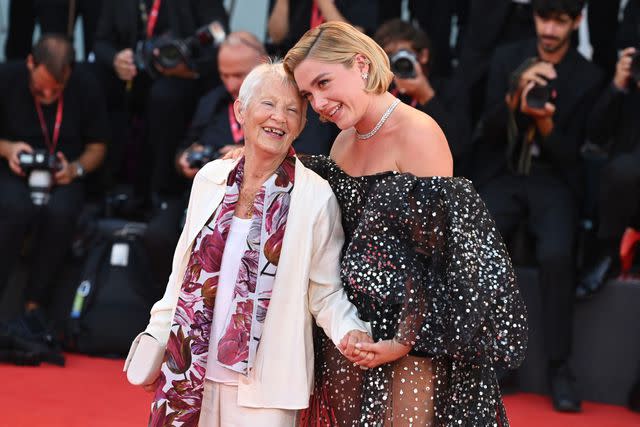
x=424, y=264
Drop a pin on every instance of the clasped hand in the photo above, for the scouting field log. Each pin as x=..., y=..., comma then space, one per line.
x=359, y=348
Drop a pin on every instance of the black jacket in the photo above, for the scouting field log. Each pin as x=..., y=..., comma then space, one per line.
x=577, y=85
x=118, y=26
x=615, y=122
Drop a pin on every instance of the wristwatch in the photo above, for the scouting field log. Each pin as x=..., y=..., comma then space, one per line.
x=79, y=170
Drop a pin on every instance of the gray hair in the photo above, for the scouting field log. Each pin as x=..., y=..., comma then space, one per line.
x=274, y=70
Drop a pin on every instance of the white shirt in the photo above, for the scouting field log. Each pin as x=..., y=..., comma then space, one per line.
x=234, y=248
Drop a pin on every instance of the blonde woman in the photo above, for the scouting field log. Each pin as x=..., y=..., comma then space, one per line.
x=422, y=260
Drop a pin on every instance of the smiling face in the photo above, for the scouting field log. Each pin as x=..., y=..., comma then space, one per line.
x=335, y=91
x=273, y=118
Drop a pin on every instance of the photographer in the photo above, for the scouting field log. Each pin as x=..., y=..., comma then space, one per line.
x=47, y=108
x=614, y=124
x=409, y=51
x=527, y=163
x=128, y=40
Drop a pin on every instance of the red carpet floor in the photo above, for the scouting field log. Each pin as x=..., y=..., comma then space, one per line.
x=92, y=392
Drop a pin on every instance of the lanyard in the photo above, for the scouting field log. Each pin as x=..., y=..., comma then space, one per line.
x=152, y=19
x=51, y=143
x=316, y=15
x=236, y=129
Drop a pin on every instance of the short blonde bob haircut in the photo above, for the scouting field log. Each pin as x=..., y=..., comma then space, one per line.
x=339, y=43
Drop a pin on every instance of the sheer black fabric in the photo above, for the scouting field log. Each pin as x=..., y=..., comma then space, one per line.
x=424, y=263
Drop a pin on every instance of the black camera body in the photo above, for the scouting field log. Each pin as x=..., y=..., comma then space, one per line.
x=403, y=64
x=539, y=95
x=39, y=166
x=635, y=66
x=198, y=158
x=167, y=52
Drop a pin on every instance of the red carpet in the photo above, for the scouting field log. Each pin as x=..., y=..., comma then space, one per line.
x=94, y=392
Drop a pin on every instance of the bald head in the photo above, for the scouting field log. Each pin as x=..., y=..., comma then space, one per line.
x=237, y=56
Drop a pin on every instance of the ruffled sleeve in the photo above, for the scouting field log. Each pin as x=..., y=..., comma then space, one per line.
x=428, y=253
x=462, y=299
x=317, y=163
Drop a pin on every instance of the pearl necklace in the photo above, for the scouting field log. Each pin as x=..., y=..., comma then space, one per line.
x=383, y=119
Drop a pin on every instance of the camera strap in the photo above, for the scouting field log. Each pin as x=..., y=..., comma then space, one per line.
x=149, y=19
x=51, y=143
x=236, y=130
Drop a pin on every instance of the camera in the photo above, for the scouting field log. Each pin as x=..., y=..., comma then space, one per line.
x=539, y=95
x=198, y=158
x=635, y=66
x=403, y=64
x=167, y=52
x=39, y=167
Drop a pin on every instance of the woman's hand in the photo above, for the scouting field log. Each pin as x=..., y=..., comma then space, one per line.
x=234, y=154
x=151, y=387
x=348, y=345
x=382, y=352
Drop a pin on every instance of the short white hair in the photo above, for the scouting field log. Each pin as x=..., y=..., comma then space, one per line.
x=273, y=70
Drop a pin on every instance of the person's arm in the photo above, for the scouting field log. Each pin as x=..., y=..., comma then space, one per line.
x=10, y=150
x=425, y=150
x=330, y=11
x=328, y=302
x=562, y=143
x=278, y=25
x=461, y=300
x=90, y=159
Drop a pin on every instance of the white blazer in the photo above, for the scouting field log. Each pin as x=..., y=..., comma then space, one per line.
x=307, y=284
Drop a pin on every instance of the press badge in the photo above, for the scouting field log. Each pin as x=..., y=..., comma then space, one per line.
x=120, y=254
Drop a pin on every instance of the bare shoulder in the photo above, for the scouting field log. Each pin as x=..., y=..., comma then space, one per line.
x=423, y=147
x=340, y=143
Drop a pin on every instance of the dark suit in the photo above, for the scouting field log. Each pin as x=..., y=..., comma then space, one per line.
x=166, y=102
x=614, y=123
x=491, y=24
x=547, y=195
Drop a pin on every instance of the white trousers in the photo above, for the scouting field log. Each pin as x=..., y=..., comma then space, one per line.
x=220, y=409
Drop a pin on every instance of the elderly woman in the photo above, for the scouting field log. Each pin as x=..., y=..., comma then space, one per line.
x=258, y=257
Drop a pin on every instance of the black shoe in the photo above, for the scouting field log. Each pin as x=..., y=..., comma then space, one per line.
x=595, y=278
x=563, y=393
x=634, y=398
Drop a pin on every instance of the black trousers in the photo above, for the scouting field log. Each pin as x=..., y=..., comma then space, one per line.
x=148, y=152
x=22, y=21
x=162, y=235
x=53, y=17
x=603, y=30
x=619, y=195
x=548, y=206
x=52, y=226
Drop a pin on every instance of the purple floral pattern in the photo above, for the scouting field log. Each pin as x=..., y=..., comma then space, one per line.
x=178, y=397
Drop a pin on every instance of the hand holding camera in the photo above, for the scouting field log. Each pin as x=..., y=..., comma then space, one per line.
x=12, y=151
x=194, y=158
x=627, y=68
x=40, y=166
x=409, y=78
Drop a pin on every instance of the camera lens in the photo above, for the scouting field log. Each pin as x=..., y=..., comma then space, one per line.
x=403, y=64
x=169, y=55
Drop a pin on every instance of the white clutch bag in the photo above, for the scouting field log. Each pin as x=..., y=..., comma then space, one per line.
x=144, y=360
